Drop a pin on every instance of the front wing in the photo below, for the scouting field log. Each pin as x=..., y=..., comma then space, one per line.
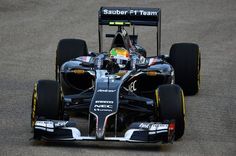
x=55, y=130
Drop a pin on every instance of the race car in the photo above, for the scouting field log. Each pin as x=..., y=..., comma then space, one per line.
x=123, y=94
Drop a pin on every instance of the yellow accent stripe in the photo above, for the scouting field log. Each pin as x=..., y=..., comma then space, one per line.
x=184, y=106
x=157, y=97
x=198, y=76
x=78, y=71
x=34, y=105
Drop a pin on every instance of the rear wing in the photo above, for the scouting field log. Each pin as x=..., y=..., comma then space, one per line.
x=129, y=16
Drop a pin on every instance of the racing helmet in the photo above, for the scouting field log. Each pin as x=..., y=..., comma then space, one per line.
x=120, y=55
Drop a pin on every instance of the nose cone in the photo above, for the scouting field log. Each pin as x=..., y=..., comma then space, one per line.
x=100, y=134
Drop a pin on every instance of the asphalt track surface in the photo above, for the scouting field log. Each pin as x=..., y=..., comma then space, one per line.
x=31, y=29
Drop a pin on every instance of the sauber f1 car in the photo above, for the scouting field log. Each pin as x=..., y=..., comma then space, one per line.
x=123, y=94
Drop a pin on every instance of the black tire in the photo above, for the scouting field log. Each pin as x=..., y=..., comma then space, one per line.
x=171, y=106
x=186, y=61
x=46, y=101
x=68, y=49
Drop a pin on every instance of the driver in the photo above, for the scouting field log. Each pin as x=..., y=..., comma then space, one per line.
x=120, y=55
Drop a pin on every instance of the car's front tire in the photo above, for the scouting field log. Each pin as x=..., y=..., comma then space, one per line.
x=46, y=101
x=171, y=106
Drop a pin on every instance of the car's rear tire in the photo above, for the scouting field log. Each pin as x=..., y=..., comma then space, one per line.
x=68, y=49
x=186, y=61
x=46, y=101
x=171, y=106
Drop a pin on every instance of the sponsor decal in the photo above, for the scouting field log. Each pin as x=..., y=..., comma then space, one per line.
x=132, y=87
x=106, y=91
x=110, y=78
x=114, y=12
x=103, y=108
x=144, y=125
x=45, y=126
x=104, y=102
x=153, y=126
x=131, y=12
x=60, y=123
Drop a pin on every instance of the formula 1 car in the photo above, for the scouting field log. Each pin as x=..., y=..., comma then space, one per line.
x=123, y=94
